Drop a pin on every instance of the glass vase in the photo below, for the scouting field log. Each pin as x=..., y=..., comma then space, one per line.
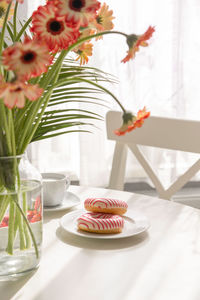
x=20, y=217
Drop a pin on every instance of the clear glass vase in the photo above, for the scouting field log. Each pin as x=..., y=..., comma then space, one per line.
x=20, y=216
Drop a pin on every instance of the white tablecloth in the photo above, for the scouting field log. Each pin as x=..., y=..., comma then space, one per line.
x=160, y=264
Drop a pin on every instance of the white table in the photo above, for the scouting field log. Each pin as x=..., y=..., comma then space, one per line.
x=160, y=264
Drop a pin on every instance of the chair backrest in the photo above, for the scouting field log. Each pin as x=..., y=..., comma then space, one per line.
x=167, y=133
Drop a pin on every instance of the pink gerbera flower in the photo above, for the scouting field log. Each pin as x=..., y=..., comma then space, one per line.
x=56, y=33
x=78, y=11
x=15, y=94
x=28, y=59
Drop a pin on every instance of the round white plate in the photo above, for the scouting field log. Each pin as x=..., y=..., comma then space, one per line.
x=133, y=225
x=70, y=200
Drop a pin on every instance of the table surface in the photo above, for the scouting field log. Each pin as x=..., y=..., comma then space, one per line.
x=162, y=263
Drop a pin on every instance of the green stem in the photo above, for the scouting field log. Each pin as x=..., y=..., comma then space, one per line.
x=21, y=231
x=12, y=132
x=28, y=226
x=24, y=141
x=9, y=248
x=16, y=225
x=26, y=233
x=80, y=41
x=23, y=29
x=4, y=28
x=104, y=89
x=6, y=127
x=15, y=21
x=4, y=206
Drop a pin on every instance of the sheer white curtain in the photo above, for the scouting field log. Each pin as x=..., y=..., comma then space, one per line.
x=164, y=77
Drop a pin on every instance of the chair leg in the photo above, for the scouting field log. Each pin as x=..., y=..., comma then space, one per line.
x=118, y=167
x=150, y=172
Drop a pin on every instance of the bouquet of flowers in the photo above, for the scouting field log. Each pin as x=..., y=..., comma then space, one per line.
x=37, y=77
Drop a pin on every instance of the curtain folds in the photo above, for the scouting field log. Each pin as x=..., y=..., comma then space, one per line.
x=164, y=77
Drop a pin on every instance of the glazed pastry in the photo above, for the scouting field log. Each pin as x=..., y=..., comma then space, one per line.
x=106, y=205
x=100, y=223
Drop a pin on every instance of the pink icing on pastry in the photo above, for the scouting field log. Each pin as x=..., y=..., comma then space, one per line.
x=105, y=203
x=100, y=221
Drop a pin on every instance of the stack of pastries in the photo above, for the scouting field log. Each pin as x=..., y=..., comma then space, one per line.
x=104, y=215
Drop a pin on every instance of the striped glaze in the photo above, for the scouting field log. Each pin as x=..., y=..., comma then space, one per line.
x=100, y=222
x=105, y=203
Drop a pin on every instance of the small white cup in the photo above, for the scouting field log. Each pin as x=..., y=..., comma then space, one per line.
x=54, y=187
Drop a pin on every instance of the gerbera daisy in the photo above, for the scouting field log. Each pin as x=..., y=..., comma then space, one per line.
x=3, y=9
x=15, y=94
x=28, y=59
x=134, y=41
x=141, y=115
x=53, y=30
x=131, y=122
x=103, y=20
x=83, y=52
x=78, y=11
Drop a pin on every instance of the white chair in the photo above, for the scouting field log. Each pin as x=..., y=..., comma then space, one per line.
x=167, y=133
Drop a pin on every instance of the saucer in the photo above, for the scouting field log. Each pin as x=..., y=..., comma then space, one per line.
x=70, y=200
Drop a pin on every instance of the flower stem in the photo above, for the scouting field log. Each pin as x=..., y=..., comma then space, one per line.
x=6, y=128
x=4, y=206
x=9, y=248
x=24, y=141
x=28, y=226
x=4, y=28
x=89, y=37
x=15, y=21
x=21, y=231
x=23, y=29
x=26, y=233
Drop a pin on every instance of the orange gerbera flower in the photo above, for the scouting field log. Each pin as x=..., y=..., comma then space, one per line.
x=83, y=52
x=141, y=115
x=134, y=41
x=131, y=122
x=78, y=11
x=15, y=94
x=3, y=9
x=103, y=20
x=28, y=59
x=53, y=30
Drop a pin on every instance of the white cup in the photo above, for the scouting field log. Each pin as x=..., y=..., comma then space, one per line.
x=54, y=187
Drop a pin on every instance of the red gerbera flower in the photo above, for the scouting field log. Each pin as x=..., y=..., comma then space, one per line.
x=15, y=93
x=131, y=122
x=53, y=30
x=28, y=59
x=78, y=11
x=134, y=41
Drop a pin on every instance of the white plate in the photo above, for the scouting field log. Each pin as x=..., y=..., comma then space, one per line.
x=70, y=200
x=133, y=225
